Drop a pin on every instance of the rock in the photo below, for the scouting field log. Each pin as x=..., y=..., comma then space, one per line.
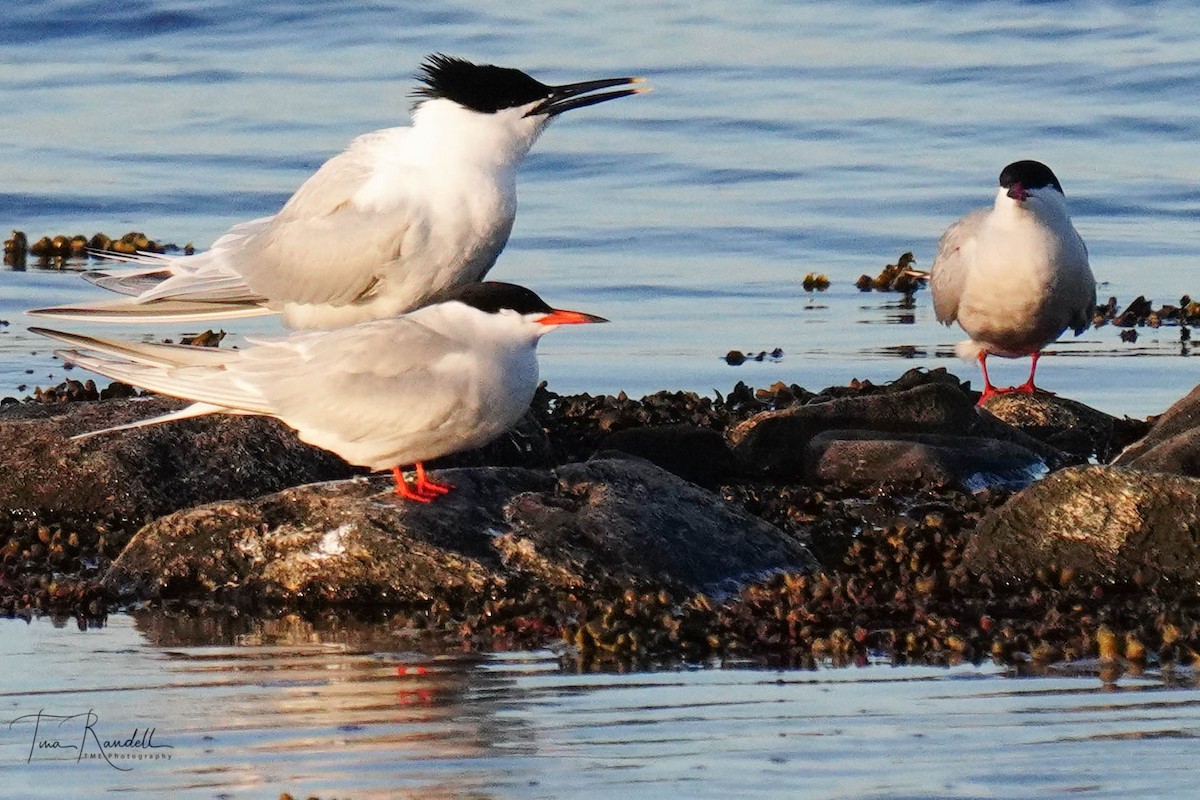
x=1179, y=454
x=146, y=472
x=354, y=541
x=1173, y=442
x=636, y=519
x=774, y=443
x=1100, y=522
x=699, y=455
x=524, y=445
x=970, y=462
x=1066, y=424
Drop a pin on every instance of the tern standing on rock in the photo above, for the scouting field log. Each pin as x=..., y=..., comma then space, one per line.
x=381, y=394
x=1016, y=275
x=400, y=217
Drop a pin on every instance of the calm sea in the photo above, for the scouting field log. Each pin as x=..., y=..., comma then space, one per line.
x=780, y=139
x=196, y=709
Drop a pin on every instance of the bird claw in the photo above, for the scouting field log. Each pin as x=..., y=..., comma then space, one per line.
x=423, y=489
x=1024, y=388
x=411, y=493
x=432, y=488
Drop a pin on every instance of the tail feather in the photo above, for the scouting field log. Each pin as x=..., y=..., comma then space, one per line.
x=202, y=383
x=194, y=410
x=208, y=286
x=969, y=350
x=199, y=374
x=130, y=282
x=155, y=355
x=130, y=310
x=140, y=257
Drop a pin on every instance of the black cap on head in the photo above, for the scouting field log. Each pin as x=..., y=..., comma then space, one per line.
x=493, y=296
x=1030, y=174
x=480, y=87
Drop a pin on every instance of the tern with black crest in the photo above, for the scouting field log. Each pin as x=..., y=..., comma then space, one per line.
x=399, y=218
x=1014, y=276
x=382, y=394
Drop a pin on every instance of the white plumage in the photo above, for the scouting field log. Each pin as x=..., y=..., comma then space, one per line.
x=1015, y=276
x=381, y=394
x=399, y=218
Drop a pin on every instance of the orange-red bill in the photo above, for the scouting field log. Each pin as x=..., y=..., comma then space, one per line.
x=560, y=316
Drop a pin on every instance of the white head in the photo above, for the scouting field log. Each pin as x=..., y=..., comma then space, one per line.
x=1031, y=186
x=497, y=112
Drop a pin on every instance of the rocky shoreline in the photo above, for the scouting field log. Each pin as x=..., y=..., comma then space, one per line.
x=783, y=525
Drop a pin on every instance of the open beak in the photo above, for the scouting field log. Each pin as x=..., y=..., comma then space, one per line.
x=560, y=316
x=1017, y=192
x=576, y=95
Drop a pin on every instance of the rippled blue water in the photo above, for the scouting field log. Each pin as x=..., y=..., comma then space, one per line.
x=780, y=139
x=279, y=706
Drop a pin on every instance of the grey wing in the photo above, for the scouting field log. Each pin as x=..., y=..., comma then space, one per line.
x=329, y=243
x=374, y=383
x=952, y=264
x=1084, y=305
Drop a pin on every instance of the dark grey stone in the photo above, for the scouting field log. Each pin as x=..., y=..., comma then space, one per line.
x=1173, y=442
x=699, y=455
x=774, y=443
x=970, y=462
x=356, y=541
x=1105, y=522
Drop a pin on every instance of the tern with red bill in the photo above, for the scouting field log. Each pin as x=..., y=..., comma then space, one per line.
x=381, y=394
x=1014, y=276
x=403, y=215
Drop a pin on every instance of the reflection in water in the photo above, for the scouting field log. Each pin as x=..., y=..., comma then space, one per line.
x=346, y=700
x=336, y=707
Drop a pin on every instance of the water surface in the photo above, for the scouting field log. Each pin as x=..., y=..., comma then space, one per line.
x=779, y=140
x=253, y=709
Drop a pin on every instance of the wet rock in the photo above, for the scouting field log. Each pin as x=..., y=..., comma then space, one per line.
x=774, y=443
x=1065, y=424
x=149, y=471
x=699, y=455
x=208, y=338
x=642, y=521
x=814, y=282
x=15, y=250
x=898, y=277
x=736, y=358
x=970, y=462
x=1104, y=522
x=524, y=445
x=1172, y=443
x=354, y=541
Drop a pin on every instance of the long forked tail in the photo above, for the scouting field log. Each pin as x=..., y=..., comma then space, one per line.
x=171, y=288
x=199, y=374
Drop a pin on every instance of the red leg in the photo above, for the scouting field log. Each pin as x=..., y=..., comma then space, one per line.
x=988, y=389
x=406, y=491
x=427, y=485
x=1028, y=386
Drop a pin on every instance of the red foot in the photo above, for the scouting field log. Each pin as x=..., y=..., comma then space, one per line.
x=1027, y=387
x=428, y=485
x=423, y=490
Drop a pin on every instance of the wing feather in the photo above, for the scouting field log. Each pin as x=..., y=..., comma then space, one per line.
x=952, y=264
